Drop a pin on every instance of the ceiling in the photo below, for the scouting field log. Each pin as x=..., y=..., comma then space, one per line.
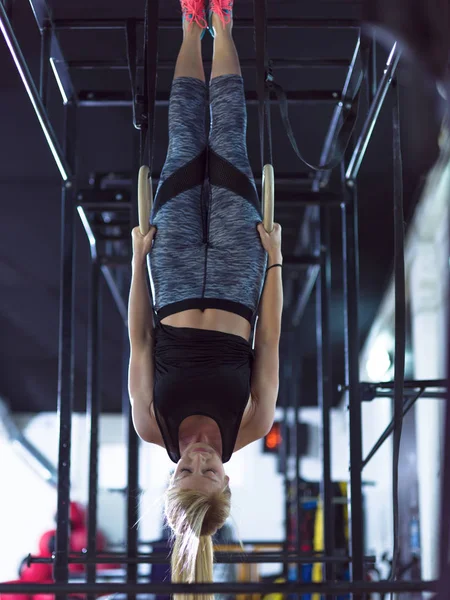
x=30, y=187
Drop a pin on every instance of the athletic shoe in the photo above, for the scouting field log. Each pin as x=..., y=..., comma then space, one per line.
x=223, y=9
x=194, y=12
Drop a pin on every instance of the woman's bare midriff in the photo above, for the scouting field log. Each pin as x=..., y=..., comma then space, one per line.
x=211, y=318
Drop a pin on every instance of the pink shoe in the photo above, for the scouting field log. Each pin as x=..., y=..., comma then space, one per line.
x=223, y=9
x=194, y=12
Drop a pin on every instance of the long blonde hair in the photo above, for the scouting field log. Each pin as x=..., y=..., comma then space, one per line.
x=194, y=517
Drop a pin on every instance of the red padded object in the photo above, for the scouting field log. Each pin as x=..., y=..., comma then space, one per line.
x=36, y=572
x=77, y=515
x=14, y=596
x=78, y=540
x=47, y=543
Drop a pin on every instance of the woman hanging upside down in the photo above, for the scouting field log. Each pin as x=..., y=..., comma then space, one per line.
x=197, y=387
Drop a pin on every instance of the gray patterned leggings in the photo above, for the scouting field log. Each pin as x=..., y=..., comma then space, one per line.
x=207, y=252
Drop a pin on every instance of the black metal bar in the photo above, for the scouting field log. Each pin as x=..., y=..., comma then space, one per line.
x=112, y=24
x=66, y=355
x=444, y=538
x=43, y=18
x=390, y=428
x=283, y=462
x=351, y=340
x=27, y=79
x=246, y=63
x=132, y=446
x=101, y=99
x=45, y=57
x=296, y=447
x=411, y=384
x=93, y=408
x=325, y=385
x=374, y=111
x=65, y=385
x=219, y=557
x=434, y=395
x=359, y=587
x=399, y=321
x=322, y=178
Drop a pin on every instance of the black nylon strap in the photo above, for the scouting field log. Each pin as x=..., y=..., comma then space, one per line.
x=151, y=20
x=350, y=115
x=130, y=35
x=262, y=69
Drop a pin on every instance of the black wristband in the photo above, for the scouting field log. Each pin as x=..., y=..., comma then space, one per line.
x=277, y=265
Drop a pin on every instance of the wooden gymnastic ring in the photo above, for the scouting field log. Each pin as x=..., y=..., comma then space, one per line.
x=268, y=194
x=145, y=199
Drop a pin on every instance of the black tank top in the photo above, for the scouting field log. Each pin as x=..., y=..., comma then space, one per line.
x=200, y=372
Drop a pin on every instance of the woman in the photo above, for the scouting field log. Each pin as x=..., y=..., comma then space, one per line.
x=196, y=386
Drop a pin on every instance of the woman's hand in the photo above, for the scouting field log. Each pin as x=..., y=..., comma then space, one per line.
x=142, y=244
x=271, y=241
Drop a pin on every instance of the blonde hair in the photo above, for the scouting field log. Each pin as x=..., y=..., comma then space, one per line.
x=194, y=517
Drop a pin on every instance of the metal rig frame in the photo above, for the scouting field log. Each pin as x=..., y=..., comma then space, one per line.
x=113, y=265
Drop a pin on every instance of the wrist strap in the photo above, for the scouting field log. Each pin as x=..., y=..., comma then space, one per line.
x=277, y=265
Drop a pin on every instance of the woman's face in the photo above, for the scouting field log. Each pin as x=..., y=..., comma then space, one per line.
x=200, y=468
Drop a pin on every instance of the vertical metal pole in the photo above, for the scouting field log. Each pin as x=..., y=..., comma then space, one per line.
x=131, y=438
x=444, y=545
x=65, y=361
x=296, y=447
x=351, y=340
x=131, y=443
x=93, y=408
x=284, y=451
x=324, y=385
x=46, y=37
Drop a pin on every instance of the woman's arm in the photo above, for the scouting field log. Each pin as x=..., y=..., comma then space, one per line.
x=140, y=318
x=140, y=331
x=271, y=305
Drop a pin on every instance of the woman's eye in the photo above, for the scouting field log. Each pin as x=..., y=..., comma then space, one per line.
x=212, y=471
x=188, y=470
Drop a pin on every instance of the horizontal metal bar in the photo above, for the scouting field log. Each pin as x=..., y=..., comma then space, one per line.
x=99, y=99
x=27, y=79
x=112, y=24
x=219, y=588
x=106, y=206
x=249, y=63
x=433, y=395
x=409, y=384
x=219, y=557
